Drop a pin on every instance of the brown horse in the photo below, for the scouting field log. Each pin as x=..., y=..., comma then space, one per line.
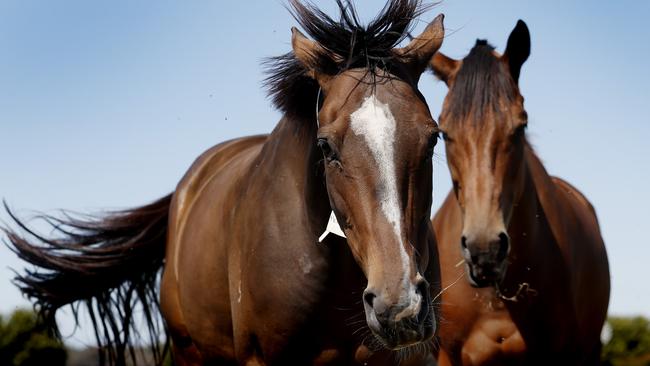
x=538, y=277
x=245, y=278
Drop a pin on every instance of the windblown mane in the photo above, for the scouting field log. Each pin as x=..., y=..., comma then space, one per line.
x=482, y=82
x=352, y=44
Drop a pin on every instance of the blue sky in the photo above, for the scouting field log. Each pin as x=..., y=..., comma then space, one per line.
x=105, y=105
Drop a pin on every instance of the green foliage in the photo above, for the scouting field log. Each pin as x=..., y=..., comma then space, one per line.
x=24, y=342
x=630, y=342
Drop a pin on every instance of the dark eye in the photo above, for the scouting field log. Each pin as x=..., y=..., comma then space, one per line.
x=328, y=152
x=520, y=131
x=456, y=186
x=431, y=144
x=445, y=137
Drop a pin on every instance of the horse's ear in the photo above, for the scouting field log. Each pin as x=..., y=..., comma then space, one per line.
x=444, y=67
x=308, y=52
x=518, y=49
x=419, y=51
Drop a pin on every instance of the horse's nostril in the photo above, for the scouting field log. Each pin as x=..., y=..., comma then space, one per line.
x=422, y=288
x=504, y=244
x=463, y=242
x=369, y=297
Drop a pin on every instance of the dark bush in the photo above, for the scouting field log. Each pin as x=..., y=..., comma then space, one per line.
x=23, y=342
x=629, y=344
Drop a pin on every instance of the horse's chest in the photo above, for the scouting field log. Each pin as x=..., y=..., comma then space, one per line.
x=300, y=305
x=493, y=339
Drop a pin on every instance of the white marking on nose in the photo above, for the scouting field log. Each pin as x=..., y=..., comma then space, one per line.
x=412, y=310
x=375, y=122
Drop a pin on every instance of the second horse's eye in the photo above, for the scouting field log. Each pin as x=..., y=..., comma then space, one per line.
x=328, y=151
x=431, y=144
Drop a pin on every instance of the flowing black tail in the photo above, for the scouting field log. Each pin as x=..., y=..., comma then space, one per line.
x=111, y=264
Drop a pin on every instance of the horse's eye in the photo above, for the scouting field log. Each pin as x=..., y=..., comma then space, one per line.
x=431, y=144
x=520, y=131
x=328, y=152
x=445, y=137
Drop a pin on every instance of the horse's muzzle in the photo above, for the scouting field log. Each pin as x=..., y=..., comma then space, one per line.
x=401, y=326
x=486, y=263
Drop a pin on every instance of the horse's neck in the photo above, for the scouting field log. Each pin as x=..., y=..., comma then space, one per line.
x=529, y=226
x=291, y=148
x=291, y=154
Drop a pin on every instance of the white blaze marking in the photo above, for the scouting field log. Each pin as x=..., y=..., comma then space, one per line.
x=375, y=122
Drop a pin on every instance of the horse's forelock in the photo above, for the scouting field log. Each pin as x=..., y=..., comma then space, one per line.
x=480, y=85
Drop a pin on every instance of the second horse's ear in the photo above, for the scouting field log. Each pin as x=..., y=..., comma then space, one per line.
x=517, y=50
x=420, y=50
x=444, y=67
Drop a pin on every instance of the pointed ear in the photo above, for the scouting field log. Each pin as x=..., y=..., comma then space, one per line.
x=308, y=53
x=517, y=50
x=419, y=51
x=444, y=67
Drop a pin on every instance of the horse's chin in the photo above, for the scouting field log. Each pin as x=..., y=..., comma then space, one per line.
x=416, y=343
x=419, y=350
x=412, y=351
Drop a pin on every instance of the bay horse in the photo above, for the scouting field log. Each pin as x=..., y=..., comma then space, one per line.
x=529, y=244
x=245, y=279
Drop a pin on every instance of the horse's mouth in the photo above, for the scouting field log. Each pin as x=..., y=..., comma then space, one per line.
x=402, y=337
x=481, y=277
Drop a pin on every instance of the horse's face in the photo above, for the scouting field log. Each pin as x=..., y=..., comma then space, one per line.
x=484, y=120
x=377, y=143
x=377, y=137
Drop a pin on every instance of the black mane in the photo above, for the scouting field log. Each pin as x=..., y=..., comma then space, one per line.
x=352, y=44
x=480, y=84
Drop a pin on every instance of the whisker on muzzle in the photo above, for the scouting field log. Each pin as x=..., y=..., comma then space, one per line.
x=448, y=287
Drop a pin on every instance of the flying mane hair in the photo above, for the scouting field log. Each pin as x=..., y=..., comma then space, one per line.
x=347, y=44
x=481, y=71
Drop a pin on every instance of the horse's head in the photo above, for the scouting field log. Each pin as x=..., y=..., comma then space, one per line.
x=483, y=122
x=377, y=137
